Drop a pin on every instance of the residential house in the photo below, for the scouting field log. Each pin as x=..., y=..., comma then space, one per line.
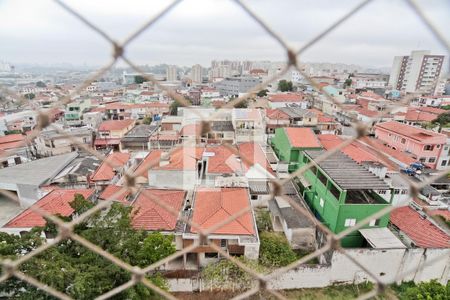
x=416, y=228
x=341, y=193
x=74, y=112
x=288, y=99
x=299, y=229
x=238, y=237
x=56, y=202
x=164, y=140
x=111, y=132
x=425, y=145
x=137, y=139
x=275, y=118
x=249, y=125
x=110, y=170
x=76, y=174
x=54, y=142
x=289, y=142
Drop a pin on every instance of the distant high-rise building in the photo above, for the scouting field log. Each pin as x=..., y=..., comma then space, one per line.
x=171, y=73
x=197, y=73
x=419, y=72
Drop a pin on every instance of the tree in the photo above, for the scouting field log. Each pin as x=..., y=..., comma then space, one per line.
x=241, y=104
x=285, y=86
x=442, y=120
x=77, y=271
x=263, y=221
x=275, y=251
x=139, y=79
x=30, y=96
x=173, y=109
x=262, y=93
x=147, y=120
x=348, y=82
x=41, y=84
x=431, y=290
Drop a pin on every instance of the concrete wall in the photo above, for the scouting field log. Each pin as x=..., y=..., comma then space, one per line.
x=389, y=265
x=172, y=179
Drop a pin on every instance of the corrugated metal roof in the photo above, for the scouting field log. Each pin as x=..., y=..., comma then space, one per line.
x=381, y=238
x=346, y=173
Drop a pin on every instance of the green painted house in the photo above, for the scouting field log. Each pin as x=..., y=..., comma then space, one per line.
x=341, y=193
x=289, y=142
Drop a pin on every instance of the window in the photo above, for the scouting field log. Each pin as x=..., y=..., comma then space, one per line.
x=438, y=146
x=350, y=222
x=404, y=192
x=444, y=163
x=432, y=159
x=403, y=141
x=321, y=202
x=254, y=197
x=313, y=170
x=375, y=222
x=335, y=191
x=382, y=192
x=422, y=159
x=223, y=243
x=396, y=191
x=322, y=178
x=212, y=255
x=428, y=147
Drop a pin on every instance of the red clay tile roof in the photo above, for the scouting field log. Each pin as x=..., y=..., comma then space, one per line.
x=287, y=97
x=105, y=171
x=191, y=130
x=252, y=153
x=151, y=160
x=165, y=136
x=357, y=151
x=276, y=114
x=302, y=137
x=419, y=116
x=433, y=110
x=112, y=190
x=182, y=159
x=213, y=205
x=377, y=145
x=223, y=161
x=115, y=125
x=11, y=138
x=148, y=215
x=55, y=202
x=424, y=233
x=412, y=132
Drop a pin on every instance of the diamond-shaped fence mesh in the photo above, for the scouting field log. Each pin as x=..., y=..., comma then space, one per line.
x=11, y=268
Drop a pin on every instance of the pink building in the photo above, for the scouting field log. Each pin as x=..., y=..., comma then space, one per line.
x=425, y=145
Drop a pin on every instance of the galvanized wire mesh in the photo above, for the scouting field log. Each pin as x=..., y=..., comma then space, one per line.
x=66, y=229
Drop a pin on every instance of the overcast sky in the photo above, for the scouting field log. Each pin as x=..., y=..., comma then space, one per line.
x=197, y=31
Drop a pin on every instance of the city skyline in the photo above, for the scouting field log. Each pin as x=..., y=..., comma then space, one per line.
x=191, y=33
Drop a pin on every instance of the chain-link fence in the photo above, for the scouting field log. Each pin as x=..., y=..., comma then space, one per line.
x=11, y=268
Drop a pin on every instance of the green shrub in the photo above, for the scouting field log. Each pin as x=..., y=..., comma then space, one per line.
x=275, y=251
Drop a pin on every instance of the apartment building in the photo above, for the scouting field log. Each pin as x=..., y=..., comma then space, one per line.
x=197, y=74
x=425, y=145
x=419, y=72
x=233, y=86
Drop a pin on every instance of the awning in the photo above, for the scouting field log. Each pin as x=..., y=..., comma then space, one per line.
x=259, y=187
x=104, y=142
x=381, y=238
